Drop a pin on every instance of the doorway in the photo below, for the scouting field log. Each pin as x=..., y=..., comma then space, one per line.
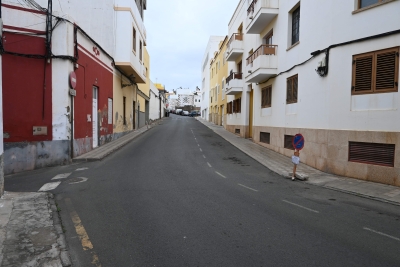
x=134, y=116
x=95, y=117
x=251, y=113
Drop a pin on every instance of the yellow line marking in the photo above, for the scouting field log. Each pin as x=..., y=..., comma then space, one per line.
x=81, y=232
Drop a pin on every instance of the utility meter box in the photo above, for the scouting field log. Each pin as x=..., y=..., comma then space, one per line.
x=39, y=130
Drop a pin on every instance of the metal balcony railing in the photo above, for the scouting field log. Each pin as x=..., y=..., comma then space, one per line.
x=262, y=50
x=234, y=75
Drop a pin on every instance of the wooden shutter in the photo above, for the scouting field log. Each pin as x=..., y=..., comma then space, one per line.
x=386, y=70
x=372, y=153
x=362, y=73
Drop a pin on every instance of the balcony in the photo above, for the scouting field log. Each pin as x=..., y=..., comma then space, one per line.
x=260, y=13
x=128, y=55
x=234, y=48
x=262, y=64
x=234, y=84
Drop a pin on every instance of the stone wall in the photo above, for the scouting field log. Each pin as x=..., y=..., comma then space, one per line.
x=328, y=151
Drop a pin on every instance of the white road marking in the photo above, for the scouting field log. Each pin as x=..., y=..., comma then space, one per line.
x=83, y=180
x=209, y=165
x=49, y=186
x=61, y=176
x=204, y=156
x=81, y=169
x=297, y=205
x=380, y=233
x=201, y=150
x=248, y=188
x=220, y=175
x=198, y=144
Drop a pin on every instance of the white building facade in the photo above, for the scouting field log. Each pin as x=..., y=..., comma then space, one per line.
x=330, y=73
x=212, y=46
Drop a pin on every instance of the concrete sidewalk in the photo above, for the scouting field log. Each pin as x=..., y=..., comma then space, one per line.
x=101, y=152
x=31, y=232
x=283, y=165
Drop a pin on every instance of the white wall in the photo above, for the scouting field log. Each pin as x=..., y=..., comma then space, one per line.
x=212, y=46
x=327, y=103
x=154, y=102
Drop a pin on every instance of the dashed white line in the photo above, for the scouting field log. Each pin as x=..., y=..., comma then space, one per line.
x=49, y=186
x=248, y=188
x=81, y=169
x=220, y=175
x=204, y=156
x=198, y=144
x=209, y=165
x=201, y=150
x=383, y=234
x=297, y=205
x=61, y=176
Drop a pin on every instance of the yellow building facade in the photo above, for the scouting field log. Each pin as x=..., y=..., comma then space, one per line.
x=130, y=100
x=218, y=74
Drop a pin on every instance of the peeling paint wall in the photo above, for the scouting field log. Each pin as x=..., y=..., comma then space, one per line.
x=24, y=156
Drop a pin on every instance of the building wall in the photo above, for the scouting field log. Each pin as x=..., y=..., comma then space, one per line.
x=240, y=120
x=326, y=112
x=212, y=46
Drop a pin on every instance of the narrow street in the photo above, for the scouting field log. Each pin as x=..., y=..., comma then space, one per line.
x=180, y=195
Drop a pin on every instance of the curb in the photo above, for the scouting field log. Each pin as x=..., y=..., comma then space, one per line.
x=61, y=241
x=112, y=150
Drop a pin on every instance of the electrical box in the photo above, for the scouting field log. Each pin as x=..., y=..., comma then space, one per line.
x=39, y=130
x=72, y=92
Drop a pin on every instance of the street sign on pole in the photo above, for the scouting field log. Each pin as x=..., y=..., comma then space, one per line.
x=298, y=142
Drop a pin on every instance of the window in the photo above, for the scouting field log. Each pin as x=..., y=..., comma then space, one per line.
x=376, y=72
x=365, y=3
x=265, y=137
x=237, y=105
x=110, y=108
x=372, y=153
x=291, y=89
x=295, y=25
x=288, y=142
x=134, y=39
x=266, y=94
x=229, y=108
x=140, y=51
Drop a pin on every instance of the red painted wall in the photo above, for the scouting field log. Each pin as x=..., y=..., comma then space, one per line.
x=91, y=72
x=25, y=101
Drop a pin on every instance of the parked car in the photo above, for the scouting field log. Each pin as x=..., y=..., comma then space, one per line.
x=194, y=113
x=185, y=113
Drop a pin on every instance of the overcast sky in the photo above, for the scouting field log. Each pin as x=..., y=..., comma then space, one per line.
x=177, y=36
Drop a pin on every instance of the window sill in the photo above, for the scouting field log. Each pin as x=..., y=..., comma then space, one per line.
x=371, y=6
x=293, y=45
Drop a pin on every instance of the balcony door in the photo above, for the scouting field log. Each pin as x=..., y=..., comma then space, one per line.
x=267, y=40
x=239, y=67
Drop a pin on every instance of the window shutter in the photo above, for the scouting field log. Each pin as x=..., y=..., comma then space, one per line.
x=386, y=71
x=289, y=91
x=362, y=74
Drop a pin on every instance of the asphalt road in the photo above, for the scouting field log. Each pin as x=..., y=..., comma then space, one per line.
x=180, y=195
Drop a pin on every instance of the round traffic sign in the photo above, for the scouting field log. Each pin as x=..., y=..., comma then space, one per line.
x=298, y=142
x=72, y=79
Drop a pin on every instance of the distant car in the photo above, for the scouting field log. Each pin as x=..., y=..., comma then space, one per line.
x=185, y=113
x=194, y=114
